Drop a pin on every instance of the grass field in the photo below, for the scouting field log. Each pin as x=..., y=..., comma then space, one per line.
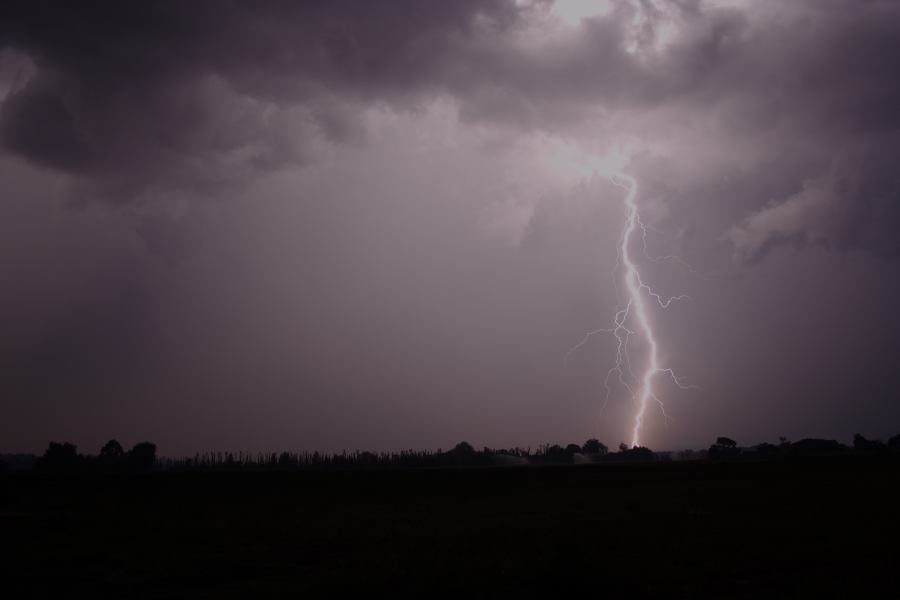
x=828, y=527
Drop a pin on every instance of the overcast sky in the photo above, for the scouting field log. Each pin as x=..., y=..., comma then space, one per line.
x=382, y=225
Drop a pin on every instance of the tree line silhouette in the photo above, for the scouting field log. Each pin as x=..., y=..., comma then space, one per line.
x=726, y=449
x=64, y=457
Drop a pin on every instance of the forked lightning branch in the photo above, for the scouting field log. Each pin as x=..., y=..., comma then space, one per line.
x=633, y=320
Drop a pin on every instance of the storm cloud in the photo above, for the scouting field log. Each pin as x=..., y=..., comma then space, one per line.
x=258, y=222
x=156, y=96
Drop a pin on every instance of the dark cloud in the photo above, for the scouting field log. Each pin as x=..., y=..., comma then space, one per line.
x=147, y=96
x=168, y=94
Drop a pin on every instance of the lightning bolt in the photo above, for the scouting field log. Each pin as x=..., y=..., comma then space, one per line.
x=639, y=295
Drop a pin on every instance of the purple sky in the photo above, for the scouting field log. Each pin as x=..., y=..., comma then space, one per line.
x=381, y=225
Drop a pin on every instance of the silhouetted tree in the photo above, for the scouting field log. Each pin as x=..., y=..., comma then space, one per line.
x=862, y=444
x=573, y=449
x=894, y=442
x=593, y=446
x=556, y=453
x=59, y=457
x=142, y=457
x=462, y=454
x=723, y=448
x=112, y=452
x=635, y=454
x=464, y=448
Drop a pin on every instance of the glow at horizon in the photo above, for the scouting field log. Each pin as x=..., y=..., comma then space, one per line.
x=640, y=388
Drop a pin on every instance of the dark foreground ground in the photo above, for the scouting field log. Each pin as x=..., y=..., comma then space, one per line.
x=747, y=530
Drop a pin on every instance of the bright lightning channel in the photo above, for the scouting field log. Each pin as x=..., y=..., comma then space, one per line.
x=638, y=293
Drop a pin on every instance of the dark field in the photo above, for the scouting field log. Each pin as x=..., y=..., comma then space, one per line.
x=675, y=529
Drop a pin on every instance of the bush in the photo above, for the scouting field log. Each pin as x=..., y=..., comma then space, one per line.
x=59, y=458
x=594, y=446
